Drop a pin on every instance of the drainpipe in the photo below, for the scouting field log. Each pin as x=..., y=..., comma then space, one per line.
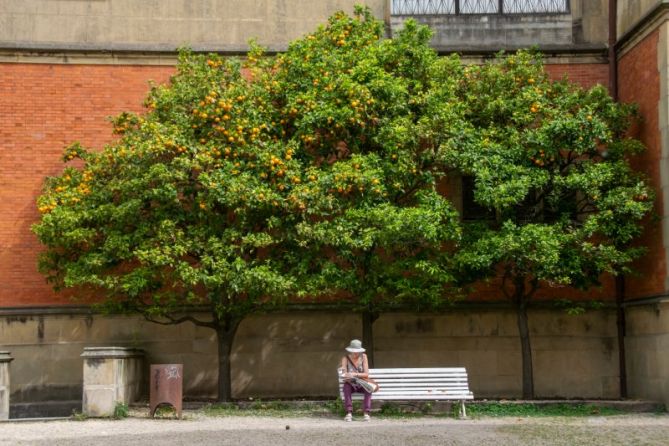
x=387, y=14
x=620, y=278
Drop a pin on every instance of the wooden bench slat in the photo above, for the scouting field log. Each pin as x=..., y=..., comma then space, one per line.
x=417, y=376
x=426, y=390
x=399, y=379
x=421, y=386
x=399, y=397
x=434, y=384
x=422, y=370
x=417, y=372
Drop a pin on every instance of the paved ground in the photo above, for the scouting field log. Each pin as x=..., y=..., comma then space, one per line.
x=198, y=429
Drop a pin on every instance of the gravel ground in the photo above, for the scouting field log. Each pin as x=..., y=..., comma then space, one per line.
x=197, y=428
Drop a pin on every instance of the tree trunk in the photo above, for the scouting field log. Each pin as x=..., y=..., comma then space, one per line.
x=225, y=335
x=520, y=298
x=526, y=349
x=368, y=318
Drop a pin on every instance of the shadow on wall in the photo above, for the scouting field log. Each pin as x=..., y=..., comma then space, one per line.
x=298, y=351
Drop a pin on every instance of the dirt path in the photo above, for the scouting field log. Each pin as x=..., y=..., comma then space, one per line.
x=199, y=429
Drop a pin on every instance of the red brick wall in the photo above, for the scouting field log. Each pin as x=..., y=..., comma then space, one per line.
x=42, y=109
x=45, y=107
x=587, y=75
x=639, y=82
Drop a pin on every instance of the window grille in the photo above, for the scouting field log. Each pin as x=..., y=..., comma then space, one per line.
x=454, y=7
x=535, y=6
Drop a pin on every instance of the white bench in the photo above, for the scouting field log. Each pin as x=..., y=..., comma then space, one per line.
x=435, y=384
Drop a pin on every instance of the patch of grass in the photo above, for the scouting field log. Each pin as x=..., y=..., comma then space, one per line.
x=533, y=410
x=335, y=407
x=260, y=408
x=282, y=409
x=121, y=411
x=390, y=410
x=78, y=416
x=165, y=411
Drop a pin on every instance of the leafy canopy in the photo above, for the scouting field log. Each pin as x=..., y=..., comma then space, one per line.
x=247, y=182
x=355, y=106
x=549, y=162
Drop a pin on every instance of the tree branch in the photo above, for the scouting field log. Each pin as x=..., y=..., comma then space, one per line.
x=174, y=320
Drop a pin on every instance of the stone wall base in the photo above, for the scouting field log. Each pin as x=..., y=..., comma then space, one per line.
x=292, y=355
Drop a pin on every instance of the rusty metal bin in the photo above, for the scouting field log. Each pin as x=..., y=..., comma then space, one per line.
x=166, y=387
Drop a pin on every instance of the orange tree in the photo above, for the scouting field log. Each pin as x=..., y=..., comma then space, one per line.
x=549, y=163
x=355, y=107
x=244, y=184
x=188, y=208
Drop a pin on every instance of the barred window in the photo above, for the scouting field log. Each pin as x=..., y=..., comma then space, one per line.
x=453, y=7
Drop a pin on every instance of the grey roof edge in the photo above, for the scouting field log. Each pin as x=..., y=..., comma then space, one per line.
x=170, y=49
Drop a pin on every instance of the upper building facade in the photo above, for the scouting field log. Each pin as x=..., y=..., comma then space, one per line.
x=227, y=25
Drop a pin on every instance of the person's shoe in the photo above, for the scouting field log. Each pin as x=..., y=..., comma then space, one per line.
x=366, y=417
x=348, y=417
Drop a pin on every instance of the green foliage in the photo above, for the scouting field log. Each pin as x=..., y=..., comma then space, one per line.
x=279, y=409
x=78, y=416
x=353, y=106
x=549, y=162
x=534, y=410
x=394, y=410
x=249, y=181
x=578, y=307
x=179, y=210
x=165, y=411
x=121, y=410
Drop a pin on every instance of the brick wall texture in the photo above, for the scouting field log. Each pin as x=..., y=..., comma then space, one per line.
x=42, y=109
x=45, y=107
x=639, y=82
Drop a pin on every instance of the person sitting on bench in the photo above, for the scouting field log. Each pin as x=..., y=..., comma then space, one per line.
x=354, y=365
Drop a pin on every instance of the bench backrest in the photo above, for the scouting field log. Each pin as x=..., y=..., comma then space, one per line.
x=420, y=384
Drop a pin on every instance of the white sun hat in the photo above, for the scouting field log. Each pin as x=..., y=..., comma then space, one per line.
x=355, y=347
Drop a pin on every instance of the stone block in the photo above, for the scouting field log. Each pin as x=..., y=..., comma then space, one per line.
x=99, y=401
x=112, y=375
x=98, y=371
x=5, y=389
x=4, y=403
x=19, y=331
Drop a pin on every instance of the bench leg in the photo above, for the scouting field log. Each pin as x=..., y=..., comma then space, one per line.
x=463, y=411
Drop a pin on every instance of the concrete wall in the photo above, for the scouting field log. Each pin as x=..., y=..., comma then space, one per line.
x=164, y=24
x=296, y=354
x=584, y=26
x=226, y=25
x=647, y=349
x=631, y=11
x=591, y=21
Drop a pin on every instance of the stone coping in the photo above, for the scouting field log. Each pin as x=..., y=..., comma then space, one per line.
x=111, y=352
x=5, y=356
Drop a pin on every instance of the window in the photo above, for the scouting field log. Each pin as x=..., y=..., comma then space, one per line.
x=456, y=7
x=471, y=210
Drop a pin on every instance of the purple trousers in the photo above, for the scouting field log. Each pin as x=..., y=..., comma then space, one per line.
x=349, y=389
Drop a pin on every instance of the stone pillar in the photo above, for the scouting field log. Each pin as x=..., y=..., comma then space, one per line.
x=112, y=375
x=5, y=359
